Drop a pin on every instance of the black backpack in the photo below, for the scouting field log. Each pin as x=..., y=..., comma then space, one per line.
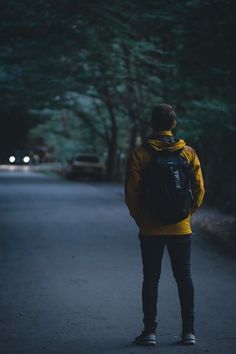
x=166, y=186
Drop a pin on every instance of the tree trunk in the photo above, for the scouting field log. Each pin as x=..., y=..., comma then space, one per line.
x=111, y=160
x=112, y=144
x=131, y=101
x=132, y=139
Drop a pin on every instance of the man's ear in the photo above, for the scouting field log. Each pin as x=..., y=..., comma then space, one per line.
x=174, y=125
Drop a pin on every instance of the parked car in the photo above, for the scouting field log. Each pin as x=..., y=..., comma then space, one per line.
x=85, y=165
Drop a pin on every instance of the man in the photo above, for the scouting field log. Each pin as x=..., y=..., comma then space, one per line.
x=154, y=234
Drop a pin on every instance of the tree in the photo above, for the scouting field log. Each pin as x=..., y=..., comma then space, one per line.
x=109, y=65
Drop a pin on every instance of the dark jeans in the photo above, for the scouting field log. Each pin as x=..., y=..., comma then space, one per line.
x=179, y=249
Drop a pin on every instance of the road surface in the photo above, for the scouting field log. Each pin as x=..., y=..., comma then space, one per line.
x=71, y=275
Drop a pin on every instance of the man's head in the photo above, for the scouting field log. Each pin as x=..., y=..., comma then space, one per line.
x=163, y=117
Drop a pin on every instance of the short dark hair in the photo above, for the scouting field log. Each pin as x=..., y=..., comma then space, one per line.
x=163, y=117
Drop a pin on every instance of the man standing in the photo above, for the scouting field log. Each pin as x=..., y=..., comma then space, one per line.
x=163, y=187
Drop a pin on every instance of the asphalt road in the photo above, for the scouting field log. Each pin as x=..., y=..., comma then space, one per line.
x=71, y=275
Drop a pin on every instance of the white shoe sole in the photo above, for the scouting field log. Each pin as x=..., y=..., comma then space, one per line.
x=189, y=342
x=148, y=344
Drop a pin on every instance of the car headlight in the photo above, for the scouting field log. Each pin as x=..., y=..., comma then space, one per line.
x=12, y=159
x=26, y=159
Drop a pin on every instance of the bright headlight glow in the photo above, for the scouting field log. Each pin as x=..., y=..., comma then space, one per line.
x=26, y=159
x=12, y=159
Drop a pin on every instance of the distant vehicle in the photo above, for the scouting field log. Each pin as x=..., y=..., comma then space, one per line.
x=85, y=165
x=20, y=158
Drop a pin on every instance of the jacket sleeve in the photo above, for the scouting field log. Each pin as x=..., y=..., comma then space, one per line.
x=197, y=182
x=132, y=185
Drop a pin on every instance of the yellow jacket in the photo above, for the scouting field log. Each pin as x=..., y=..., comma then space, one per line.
x=138, y=160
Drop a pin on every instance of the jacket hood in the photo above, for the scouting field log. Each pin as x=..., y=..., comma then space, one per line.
x=167, y=143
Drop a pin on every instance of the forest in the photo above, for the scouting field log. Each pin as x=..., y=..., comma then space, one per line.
x=84, y=76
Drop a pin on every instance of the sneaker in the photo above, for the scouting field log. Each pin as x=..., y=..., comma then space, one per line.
x=146, y=338
x=188, y=339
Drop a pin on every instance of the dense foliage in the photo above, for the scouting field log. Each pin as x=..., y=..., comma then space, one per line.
x=88, y=74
